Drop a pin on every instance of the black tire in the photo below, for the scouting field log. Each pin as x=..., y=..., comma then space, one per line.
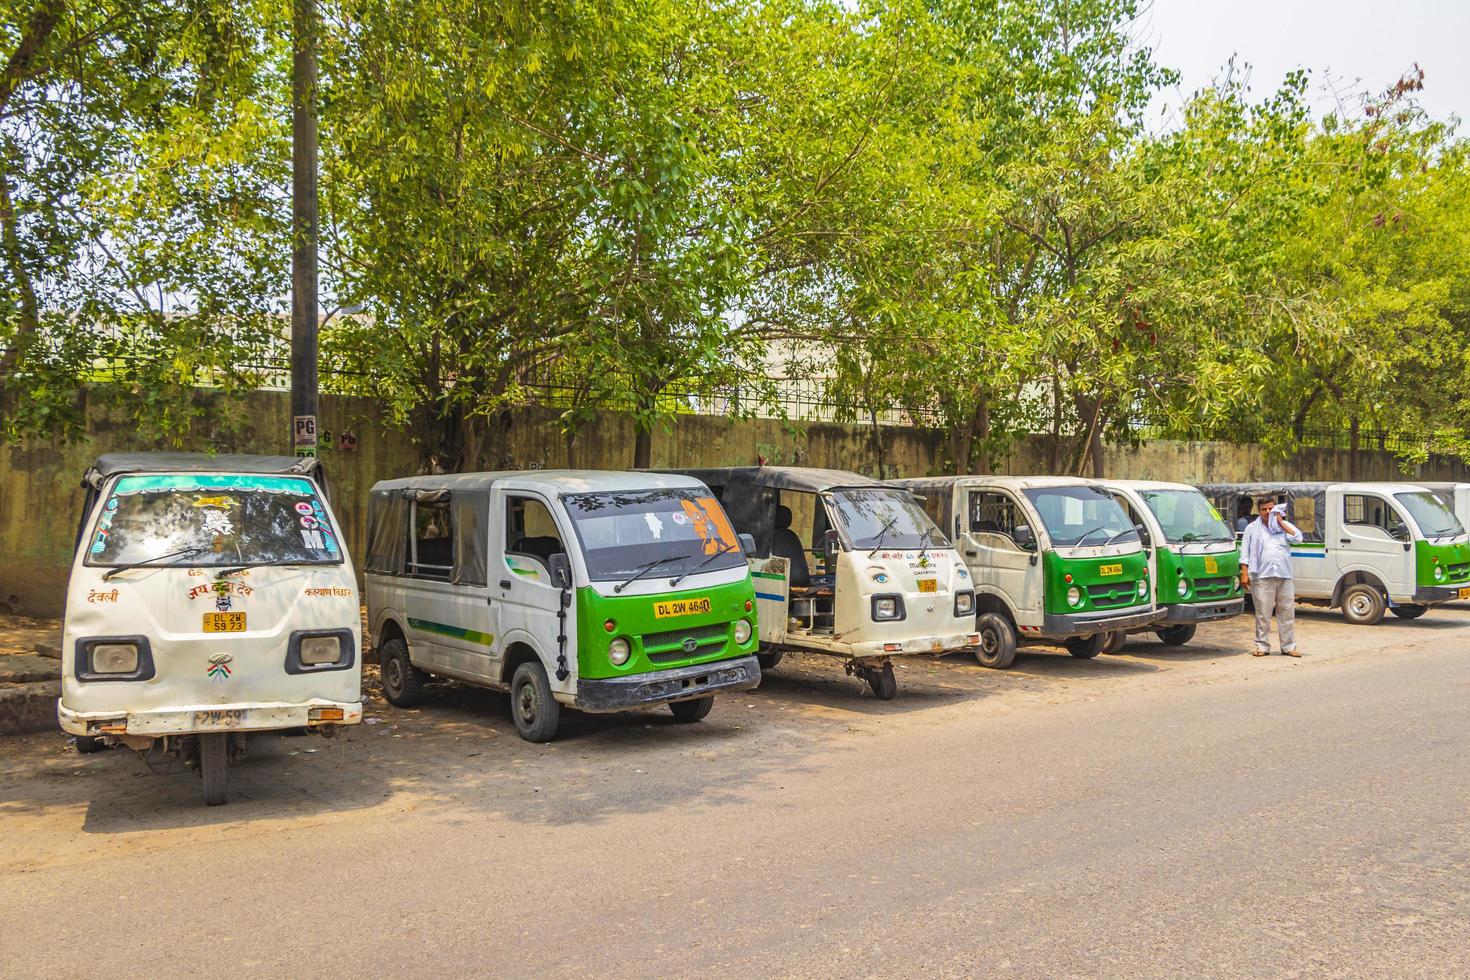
x=87, y=744
x=882, y=682
x=997, y=649
x=686, y=712
x=769, y=661
x=1176, y=636
x=1086, y=647
x=214, y=767
x=1363, y=605
x=1409, y=611
x=1113, y=642
x=403, y=683
x=535, y=710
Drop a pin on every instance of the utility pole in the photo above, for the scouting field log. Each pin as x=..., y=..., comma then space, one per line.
x=303, y=229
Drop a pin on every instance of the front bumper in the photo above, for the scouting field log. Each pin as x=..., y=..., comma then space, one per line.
x=207, y=718
x=596, y=694
x=1063, y=626
x=931, y=645
x=1181, y=613
x=1433, y=595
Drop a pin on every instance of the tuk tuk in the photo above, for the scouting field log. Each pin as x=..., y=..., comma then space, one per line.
x=1054, y=559
x=593, y=590
x=846, y=566
x=1367, y=548
x=210, y=597
x=1193, y=558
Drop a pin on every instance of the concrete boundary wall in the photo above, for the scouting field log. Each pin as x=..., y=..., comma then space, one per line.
x=40, y=496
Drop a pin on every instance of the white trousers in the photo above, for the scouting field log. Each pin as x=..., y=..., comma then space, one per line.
x=1276, y=595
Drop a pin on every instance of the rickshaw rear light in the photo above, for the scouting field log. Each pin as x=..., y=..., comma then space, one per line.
x=319, y=650
x=324, y=714
x=114, y=658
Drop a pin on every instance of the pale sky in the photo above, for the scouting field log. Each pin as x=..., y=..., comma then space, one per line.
x=1353, y=45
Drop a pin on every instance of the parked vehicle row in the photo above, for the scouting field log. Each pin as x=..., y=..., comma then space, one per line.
x=213, y=596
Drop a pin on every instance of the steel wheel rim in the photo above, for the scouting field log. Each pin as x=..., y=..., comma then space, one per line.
x=1360, y=605
x=393, y=674
x=989, y=642
x=526, y=703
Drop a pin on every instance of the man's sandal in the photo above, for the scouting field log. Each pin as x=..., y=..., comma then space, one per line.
x=1259, y=653
x=1292, y=653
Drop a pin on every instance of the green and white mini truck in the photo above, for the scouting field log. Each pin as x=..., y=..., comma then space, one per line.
x=593, y=590
x=1367, y=547
x=1194, y=560
x=1054, y=559
x=1455, y=496
x=210, y=597
x=847, y=566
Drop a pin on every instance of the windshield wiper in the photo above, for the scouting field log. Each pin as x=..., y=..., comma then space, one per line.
x=707, y=559
x=649, y=566
x=148, y=561
x=260, y=564
x=1126, y=530
x=1088, y=533
x=883, y=534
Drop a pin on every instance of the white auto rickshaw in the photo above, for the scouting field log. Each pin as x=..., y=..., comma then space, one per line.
x=847, y=566
x=210, y=596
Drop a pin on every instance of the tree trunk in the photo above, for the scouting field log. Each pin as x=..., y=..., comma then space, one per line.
x=642, y=447
x=1354, y=448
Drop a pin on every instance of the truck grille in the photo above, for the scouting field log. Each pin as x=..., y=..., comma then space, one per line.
x=1213, y=588
x=1113, y=594
x=668, y=646
x=1456, y=572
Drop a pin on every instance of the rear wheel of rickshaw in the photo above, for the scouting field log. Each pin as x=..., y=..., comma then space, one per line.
x=1176, y=636
x=1085, y=647
x=214, y=767
x=686, y=712
x=87, y=744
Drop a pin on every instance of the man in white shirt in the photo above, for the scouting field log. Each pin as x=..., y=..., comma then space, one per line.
x=1265, y=569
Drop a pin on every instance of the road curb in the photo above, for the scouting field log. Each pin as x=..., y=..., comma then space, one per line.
x=26, y=708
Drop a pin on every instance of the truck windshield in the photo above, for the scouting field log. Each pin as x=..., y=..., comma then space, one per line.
x=886, y=518
x=1433, y=518
x=1185, y=516
x=681, y=529
x=169, y=520
x=1081, y=516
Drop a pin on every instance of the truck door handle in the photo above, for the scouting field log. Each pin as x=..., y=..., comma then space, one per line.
x=1344, y=540
x=505, y=583
x=971, y=554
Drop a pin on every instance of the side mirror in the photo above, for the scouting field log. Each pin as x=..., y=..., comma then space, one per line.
x=747, y=544
x=1022, y=536
x=957, y=527
x=1143, y=535
x=831, y=544
x=560, y=567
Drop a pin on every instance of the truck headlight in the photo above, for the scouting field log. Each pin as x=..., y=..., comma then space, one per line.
x=887, y=608
x=319, y=650
x=964, y=603
x=1183, y=588
x=114, y=658
x=1439, y=573
x=1074, y=596
x=742, y=632
x=1142, y=587
x=618, y=651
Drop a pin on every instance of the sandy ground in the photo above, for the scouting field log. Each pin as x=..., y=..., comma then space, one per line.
x=802, y=829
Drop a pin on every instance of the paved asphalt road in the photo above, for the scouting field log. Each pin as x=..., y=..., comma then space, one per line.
x=1195, y=813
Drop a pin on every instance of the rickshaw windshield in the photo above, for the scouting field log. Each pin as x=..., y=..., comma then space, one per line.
x=166, y=520
x=1433, y=518
x=1186, y=516
x=678, y=530
x=886, y=518
x=1081, y=517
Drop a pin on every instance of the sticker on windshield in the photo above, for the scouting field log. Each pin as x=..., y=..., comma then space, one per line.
x=303, y=508
x=655, y=526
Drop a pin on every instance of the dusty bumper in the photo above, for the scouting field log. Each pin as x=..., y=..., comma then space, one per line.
x=1201, y=612
x=664, y=686
x=204, y=718
x=931, y=645
x=1087, y=624
x=1433, y=595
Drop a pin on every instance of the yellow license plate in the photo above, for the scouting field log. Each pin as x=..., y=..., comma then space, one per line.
x=1110, y=570
x=1465, y=593
x=1211, y=565
x=224, y=622
x=928, y=585
x=680, y=607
